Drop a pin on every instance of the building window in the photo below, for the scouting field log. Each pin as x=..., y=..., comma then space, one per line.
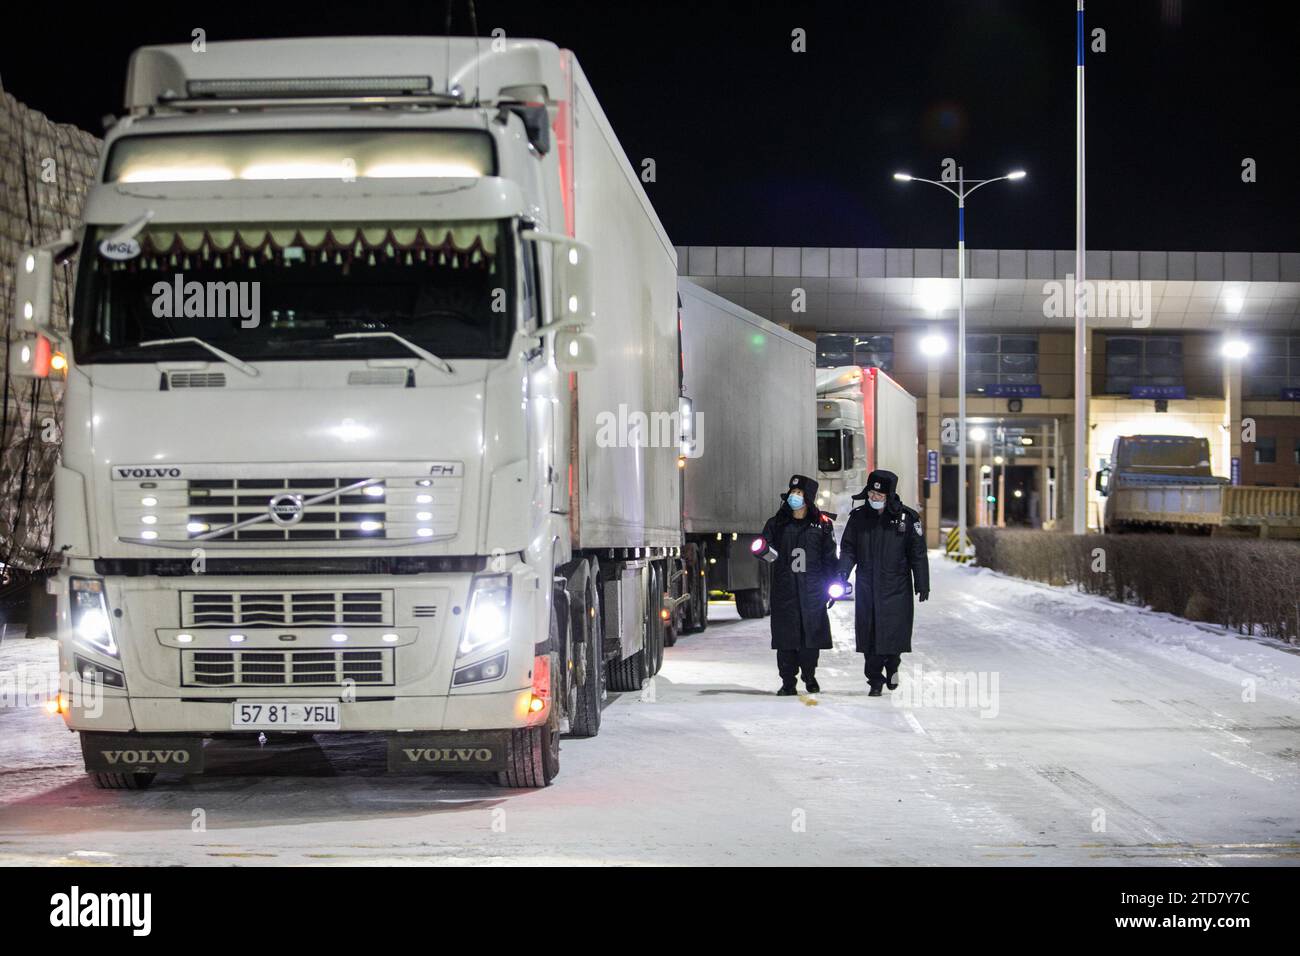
x=1142, y=360
x=1272, y=365
x=1297, y=451
x=1000, y=360
x=847, y=348
x=1266, y=451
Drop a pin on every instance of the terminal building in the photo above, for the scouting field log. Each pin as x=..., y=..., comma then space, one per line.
x=1184, y=343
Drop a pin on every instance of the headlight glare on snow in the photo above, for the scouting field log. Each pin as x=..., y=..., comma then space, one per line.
x=90, y=622
x=488, y=623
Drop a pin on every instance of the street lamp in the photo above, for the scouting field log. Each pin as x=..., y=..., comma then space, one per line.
x=964, y=188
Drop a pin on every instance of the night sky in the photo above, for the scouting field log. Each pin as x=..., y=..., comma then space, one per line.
x=758, y=145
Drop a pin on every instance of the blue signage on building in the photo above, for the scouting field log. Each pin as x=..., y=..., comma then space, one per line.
x=1158, y=391
x=1236, y=471
x=932, y=467
x=1291, y=394
x=1007, y=390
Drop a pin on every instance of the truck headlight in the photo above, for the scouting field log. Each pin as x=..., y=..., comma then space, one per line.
x=90, y=623
x=488, y=622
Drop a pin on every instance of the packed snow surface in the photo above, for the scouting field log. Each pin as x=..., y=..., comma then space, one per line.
x=1033, y=725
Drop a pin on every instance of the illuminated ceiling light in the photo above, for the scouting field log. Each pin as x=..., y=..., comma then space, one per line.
x=1235, y=349
x=998, y=460
x=1026, y=440
x=1233, y=301
x=978, y=434
x=933, y=345
x=932, y=296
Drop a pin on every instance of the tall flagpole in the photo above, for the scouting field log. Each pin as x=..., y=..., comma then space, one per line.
x=1081, y=384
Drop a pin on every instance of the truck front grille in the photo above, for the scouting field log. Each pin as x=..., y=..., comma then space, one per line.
x=272, y=668
x=285, y=608
x=217, y=503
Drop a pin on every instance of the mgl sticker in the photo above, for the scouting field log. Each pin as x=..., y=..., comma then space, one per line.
x=119, y=249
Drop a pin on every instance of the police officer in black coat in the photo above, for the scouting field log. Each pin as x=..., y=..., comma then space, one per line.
x=803, y=540
x=884, y=539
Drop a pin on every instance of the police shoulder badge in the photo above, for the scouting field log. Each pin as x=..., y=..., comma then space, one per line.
x=919, y=532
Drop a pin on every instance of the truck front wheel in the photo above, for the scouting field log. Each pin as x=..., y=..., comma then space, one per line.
x=532, y=757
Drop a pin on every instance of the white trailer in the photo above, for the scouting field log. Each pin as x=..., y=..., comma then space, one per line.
x=865, y=421
x=360, y=327
x=748, y=380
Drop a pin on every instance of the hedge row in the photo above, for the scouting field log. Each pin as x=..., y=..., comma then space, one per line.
x=1250, y=586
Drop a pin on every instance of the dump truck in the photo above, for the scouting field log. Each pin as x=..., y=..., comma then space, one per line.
x=1165, y=483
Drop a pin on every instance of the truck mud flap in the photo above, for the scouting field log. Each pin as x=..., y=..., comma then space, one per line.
x=141, y=753
x=469, y=751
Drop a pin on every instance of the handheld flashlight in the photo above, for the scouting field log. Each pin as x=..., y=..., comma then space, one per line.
x=761, y=549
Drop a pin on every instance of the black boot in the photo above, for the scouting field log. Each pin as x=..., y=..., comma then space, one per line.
x=810, y=681
x=891, y=680
x=875, y=691
x=787, y=690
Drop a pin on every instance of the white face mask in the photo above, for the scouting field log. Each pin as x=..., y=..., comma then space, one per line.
x=878, y=505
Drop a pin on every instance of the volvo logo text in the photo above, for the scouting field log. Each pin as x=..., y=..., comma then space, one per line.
x=286, y=509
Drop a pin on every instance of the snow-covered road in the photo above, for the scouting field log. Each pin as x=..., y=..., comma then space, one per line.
x=1033, y=726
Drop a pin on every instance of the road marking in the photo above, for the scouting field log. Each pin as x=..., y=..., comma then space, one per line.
x=913, y=722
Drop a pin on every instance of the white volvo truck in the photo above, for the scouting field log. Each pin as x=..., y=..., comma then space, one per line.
x=865, y=421
x=359, y=324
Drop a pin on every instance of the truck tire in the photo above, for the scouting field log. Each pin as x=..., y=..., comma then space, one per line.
x=699, y=603
x=749, y=603
x=122, y=781
x=533, y=753
x=587, y=625
x=532, y=757
x=656, y=631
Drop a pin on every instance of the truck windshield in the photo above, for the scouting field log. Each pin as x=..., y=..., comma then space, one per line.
x=283, y=291
x=830, y=450
x=1171, y=456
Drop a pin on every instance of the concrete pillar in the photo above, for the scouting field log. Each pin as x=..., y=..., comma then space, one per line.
x=933, y=442
x=1231, y=414
x=1044, y=504
x=977, y=484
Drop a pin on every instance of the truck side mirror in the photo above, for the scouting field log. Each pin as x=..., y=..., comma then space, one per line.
x=33, y=291
x=571, y=281
x=1102, y=482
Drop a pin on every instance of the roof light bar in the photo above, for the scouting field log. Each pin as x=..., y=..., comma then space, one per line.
x=305, y=86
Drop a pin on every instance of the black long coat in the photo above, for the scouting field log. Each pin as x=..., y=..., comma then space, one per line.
x=799, y=598
x=888, y=548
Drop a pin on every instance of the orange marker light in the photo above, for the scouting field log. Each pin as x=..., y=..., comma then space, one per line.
x=58, y=361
